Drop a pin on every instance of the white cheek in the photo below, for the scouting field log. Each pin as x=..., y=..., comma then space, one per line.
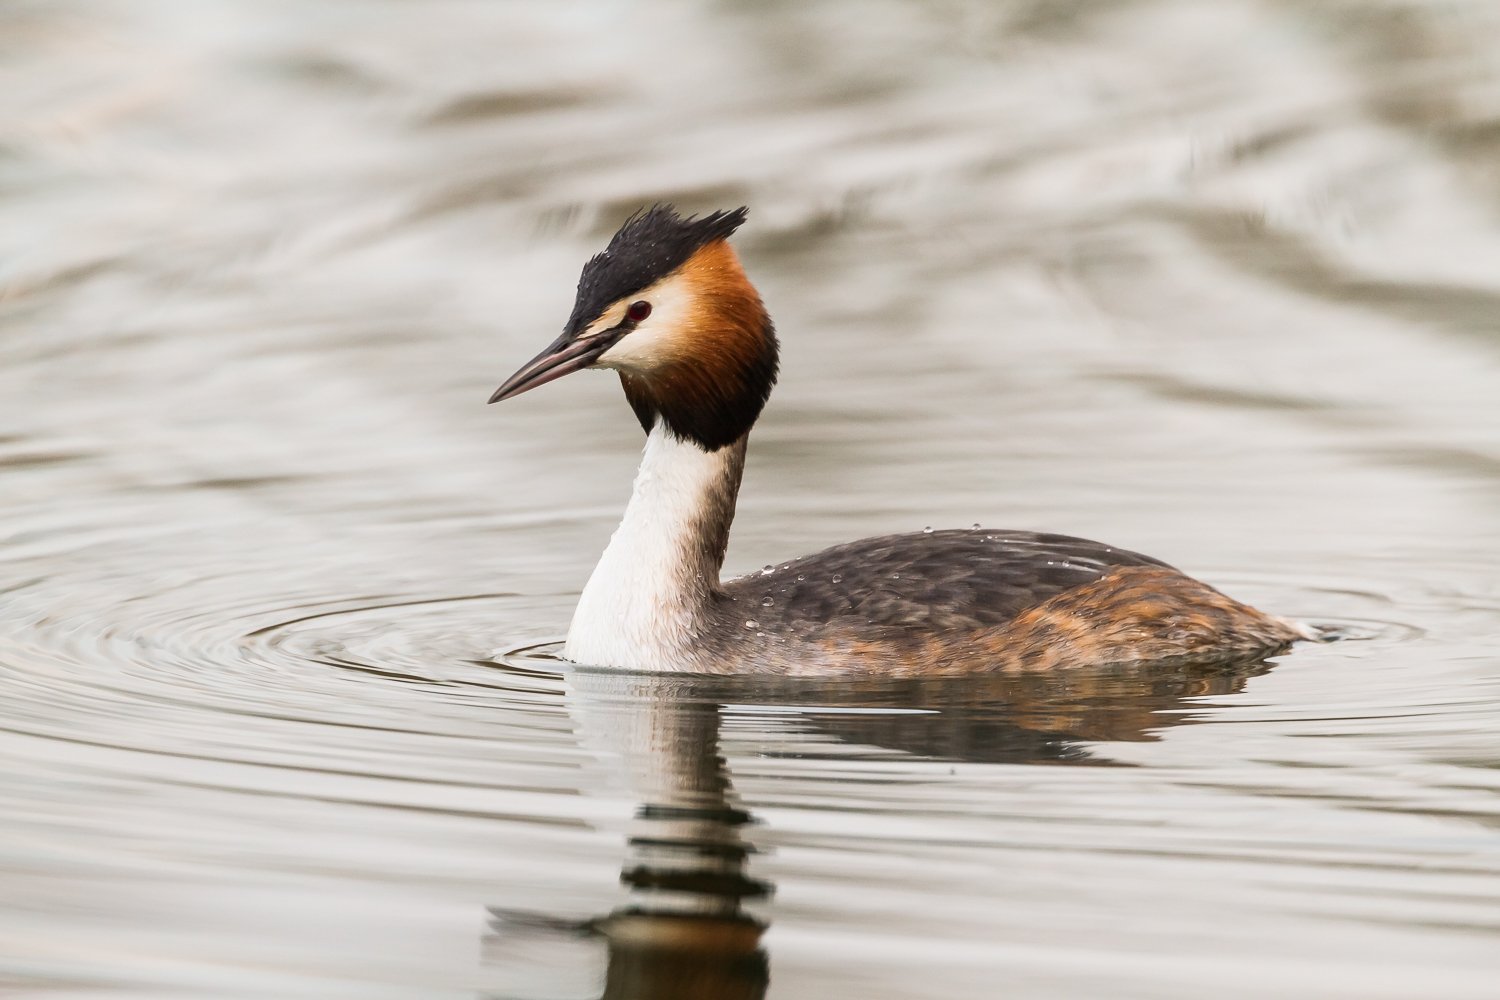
x=660, y=337
x=643, y=347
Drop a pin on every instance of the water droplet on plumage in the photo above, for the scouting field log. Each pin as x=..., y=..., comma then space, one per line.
x=768, y=570
x=976, y=525
x=895, y=576
x=751, y=624
x=800, y=578
x=927, y=530
x=767, y=603
x=837, y=578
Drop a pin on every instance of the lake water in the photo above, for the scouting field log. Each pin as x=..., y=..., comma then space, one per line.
x=1214, y=280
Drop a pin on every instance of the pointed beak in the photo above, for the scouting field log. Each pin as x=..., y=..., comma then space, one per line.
x=565, y=355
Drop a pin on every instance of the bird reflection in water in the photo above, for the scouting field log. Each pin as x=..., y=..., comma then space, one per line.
x=685, y=931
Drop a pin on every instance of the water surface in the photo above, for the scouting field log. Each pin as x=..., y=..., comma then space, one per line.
x=1210, y=280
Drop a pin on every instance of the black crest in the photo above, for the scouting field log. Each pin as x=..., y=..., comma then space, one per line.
x=649, y=246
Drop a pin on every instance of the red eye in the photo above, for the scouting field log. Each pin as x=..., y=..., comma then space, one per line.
x=638, y=311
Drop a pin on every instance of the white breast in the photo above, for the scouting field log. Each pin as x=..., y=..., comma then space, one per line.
x=644, y=603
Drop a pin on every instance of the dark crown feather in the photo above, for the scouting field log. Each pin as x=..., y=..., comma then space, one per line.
x=650, y=245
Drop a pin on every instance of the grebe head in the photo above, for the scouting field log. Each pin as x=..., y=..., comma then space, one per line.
x=668, y=306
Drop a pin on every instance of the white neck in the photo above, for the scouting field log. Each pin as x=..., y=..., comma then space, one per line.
x=647, y=602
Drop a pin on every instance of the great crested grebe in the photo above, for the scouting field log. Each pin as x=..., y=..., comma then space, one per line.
x=668, y=306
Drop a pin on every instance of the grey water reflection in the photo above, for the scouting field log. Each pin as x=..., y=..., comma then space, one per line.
x=685, y=931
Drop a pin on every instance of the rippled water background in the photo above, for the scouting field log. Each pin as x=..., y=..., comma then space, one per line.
x=1214, y=280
